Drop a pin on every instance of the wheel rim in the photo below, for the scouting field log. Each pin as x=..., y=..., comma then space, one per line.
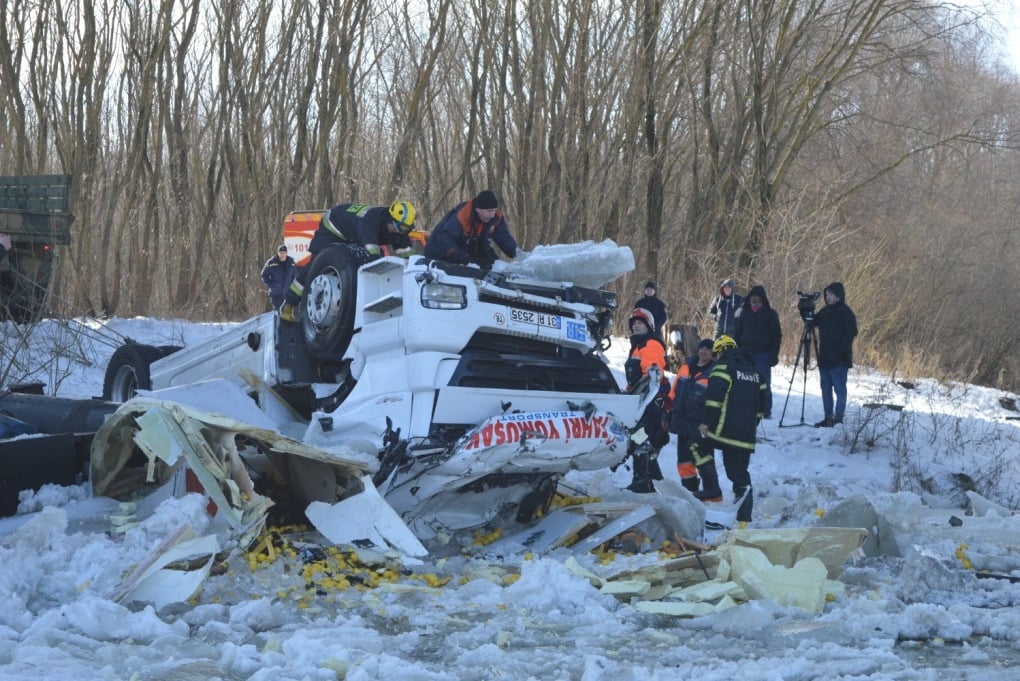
x=325, y=294
x=125, y=384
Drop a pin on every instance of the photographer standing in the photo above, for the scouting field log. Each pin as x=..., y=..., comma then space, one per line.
x=837, y=328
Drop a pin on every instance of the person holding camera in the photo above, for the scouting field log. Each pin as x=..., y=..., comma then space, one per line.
x=759, y=334
x=837, y=328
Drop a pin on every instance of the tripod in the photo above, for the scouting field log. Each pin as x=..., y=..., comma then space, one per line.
x=807, y=339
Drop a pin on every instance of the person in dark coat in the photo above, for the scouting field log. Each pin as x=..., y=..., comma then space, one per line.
x=695, y=455
x=837, y=328
x=758, y=333
x=466, y=233
x=724, y=309
x=371, y=227
x=651, y=302
x=277, y=274
x=733, y=409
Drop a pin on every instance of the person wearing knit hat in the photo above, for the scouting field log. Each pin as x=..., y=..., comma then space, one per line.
x=466, y=233
x=653, y=304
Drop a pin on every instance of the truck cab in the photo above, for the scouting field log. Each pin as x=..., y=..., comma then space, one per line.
x=34, y=212
x=474, y=389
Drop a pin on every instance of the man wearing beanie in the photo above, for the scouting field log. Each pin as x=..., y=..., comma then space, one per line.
x=466, y=234
x=651, y=302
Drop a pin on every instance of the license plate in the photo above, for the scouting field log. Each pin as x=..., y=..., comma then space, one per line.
x=549, y=321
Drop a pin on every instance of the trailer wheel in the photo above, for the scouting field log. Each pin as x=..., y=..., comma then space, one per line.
x=128, y=371
x=327, y=316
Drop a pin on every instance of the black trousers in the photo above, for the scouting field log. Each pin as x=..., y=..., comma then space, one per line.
x=736, y=462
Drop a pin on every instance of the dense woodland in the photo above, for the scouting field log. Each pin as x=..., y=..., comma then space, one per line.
x=784, y=142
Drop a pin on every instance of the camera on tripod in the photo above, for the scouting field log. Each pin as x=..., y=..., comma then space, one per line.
x=806, y=306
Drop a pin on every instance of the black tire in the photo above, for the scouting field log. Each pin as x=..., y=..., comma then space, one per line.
x=128, y=371
x=327, y=308
x=165, y=350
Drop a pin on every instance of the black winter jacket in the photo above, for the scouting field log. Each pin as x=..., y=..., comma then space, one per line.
x=758, y=332
x=837, y=328
x=733, y=405
x=689, y=400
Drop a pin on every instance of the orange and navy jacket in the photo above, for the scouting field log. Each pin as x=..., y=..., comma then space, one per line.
x=648, y=350
x=460, y=237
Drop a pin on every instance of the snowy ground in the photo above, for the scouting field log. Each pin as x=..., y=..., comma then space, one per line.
x=918, y=615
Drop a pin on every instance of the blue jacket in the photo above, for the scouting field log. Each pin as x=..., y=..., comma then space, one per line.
x=277, y=275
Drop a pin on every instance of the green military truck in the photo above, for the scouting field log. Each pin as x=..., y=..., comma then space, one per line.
x=34, y=212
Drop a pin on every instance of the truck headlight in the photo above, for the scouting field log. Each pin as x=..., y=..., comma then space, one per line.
x=443, y=296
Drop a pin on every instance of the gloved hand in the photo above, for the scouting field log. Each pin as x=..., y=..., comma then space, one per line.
x=774, y=360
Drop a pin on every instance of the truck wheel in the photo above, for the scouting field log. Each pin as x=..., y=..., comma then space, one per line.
x=128, y=371
x=327, y=316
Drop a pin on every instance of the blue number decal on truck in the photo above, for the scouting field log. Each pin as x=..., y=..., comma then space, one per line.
x=577, y=331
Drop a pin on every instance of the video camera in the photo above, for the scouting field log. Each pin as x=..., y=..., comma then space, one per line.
x=806, y=306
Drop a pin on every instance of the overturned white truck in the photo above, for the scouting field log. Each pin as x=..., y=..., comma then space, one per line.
x=472, y=392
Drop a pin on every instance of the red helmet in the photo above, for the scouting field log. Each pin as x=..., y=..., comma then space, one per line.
x=644, y=315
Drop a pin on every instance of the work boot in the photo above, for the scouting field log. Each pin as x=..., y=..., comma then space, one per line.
x=827, y=422
x=287, y=313
x=708, y=495
x=691, y=484
x=710, y=482
x=838, y=418
x=642, y=480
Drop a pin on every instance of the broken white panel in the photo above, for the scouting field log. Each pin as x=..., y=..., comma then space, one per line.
x=156, y=584
x=709, y=591
x=610, y=530
x=786, y=546
x=627, y=587
x=362, y=518
x=549, y=533
x=682, y=609
x=801, y=586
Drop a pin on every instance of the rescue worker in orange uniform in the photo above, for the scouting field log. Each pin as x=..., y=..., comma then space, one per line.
x=649, y=435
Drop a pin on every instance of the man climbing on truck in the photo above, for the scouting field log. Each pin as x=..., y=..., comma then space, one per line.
x=371, y=227
x=466, y=233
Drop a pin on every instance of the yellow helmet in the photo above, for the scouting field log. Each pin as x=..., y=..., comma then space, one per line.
x=723, y=343
x=403, y=215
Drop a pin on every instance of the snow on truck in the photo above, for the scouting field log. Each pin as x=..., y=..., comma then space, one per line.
x=468, y=392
